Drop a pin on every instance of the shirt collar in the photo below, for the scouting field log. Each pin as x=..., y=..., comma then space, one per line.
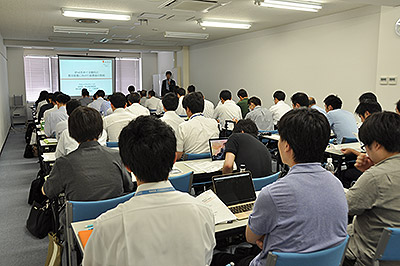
x=196, y=115
x=154, y=185
x=306, y=168
x=394, y=157
x=119, y=110
x=280, y=103
x=89, y=144
x=229, y=102
x=257, y=107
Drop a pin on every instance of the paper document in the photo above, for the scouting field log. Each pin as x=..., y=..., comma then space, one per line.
x=50, y=141
x=205, y=167
x=49, y=156
x=175, y=171
x=221, y=213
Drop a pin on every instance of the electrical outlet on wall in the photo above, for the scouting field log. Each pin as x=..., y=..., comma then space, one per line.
x=392, y=80
x=383, y=80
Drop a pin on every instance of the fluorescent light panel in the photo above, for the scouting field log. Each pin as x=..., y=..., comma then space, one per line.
x=300, y=6
x=95, y=14
x=105, y=50
x=225, y=24
x=80, y=30
x=186, y=35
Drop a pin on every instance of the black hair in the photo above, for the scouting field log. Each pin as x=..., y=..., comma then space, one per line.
x=170, y=101
x=225, y=95
x=247, y=126
x=382, y=127
x=85, y=92
x=131, y=88
x=300, y=98
x=333, y=101
x=398, y=105
x=85, y=124
x=181, y=91
x=143, y=93
x=368, y=105
x=42, y=96
x=368, y=96
x=279, y=95
x=118, y=100
x=100, y=93
x=194, y=101
x=191, y=88
x=50, y=96
x=62, y=98
x=72, y=105
x=134, y=98
x=152, y=93
x=307, y=131
x=255, y=100
x=312, y=100
x=168, y=72
x=242, y=93
x=144, y=138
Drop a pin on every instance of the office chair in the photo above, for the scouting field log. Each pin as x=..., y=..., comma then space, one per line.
x=112, y=144
x=261, y=182
x=194, y=156
x=327, y=257
x=183, y=182
x=388, y=246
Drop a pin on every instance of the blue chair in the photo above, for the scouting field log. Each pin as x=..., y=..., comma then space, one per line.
x=388, y=246
x=112, y=144
x=349, y=140
x=261, y=182
x=183, y=182
x=194, y=156
x=327, y=257
x=85, y=210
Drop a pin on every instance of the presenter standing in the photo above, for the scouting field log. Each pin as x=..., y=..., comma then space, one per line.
x=168, y=84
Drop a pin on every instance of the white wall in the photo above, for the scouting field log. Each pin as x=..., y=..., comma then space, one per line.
x=165, y=62
x=332, y=54
x=4, y=102
x=149, y=68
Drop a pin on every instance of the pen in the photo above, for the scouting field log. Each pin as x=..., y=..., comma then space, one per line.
x=89, y=226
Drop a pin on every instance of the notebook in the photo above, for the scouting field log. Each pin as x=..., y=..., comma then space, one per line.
x=84, y=236
x=217, y=148
x=237, y=192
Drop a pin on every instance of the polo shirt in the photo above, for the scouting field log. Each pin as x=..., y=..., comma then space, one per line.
x=278, y=110
x=96, y=104
x=162, y=228
x=152, y=103
x=342, y=123
x=180, y=110
x=320, y=109
x=138, y=109
x=227, y=111
x=251, y=152
x=208, y=109
x=115, y=122
x=244, y=106
x=305, y=211
x=173, y=120
x=53, y=119
x=262, y=117
x=193, y=135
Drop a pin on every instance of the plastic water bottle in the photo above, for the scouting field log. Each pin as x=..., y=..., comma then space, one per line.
x=242, y=167
x=329, y=166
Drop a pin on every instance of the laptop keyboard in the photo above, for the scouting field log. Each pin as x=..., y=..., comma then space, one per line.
x=242, y=208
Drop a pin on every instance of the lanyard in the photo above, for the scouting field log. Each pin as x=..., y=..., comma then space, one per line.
x=193, y=116
x=155, y=191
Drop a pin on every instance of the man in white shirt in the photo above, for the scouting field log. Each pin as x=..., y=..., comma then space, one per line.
x=135, y=105
x=280, y=108
x=262, y=117
x=116, y=121
x=152, y=102
x=313, y=105
x=170, y=103
x=52, y=99
x=57, y=116
x=143, y=99
x=180, y=110
x=63, y=125
x=228, y=110
x=98, y=100
x=193, y=135
x=159, y=225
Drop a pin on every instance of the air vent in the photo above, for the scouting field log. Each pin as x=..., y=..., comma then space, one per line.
x=191, y=5
x=87, y=20
x=147, y=15
x=70, y=40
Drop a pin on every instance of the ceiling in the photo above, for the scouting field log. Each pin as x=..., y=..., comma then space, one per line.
x=30, y=23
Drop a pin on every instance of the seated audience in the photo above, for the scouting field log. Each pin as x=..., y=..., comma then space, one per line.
x=63, y=125
x=105, y=108
x=208, y=111
x=42, y=100
x=300, y=99
x=98, y=100
x=243, y=101
x=131, y=89
x=159, y=225
x=261, y=116
x=368, y=96
x=54, y=108
x=244, y=148
x=313, y=105
x=193, y=135
x=280, y=108
x=92, y=172
x=152, y=102
x=135, y=105
x=374, y=198
x=143, y=97
x=170, y=102
x=228, y=110
x=115, y=122
x=54, y=117
x=305, y=211
x=85, y=100
x=191, y=88
x=181, y=94
x=398, y=107
x=342, y=122
x=50, y=102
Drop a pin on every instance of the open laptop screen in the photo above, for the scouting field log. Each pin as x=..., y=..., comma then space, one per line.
x=234, y=188
x=217, y=148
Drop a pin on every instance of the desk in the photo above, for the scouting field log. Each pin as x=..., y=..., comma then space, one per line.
x=336, y=149
x=274, y=137
x=49, y=157
x=44, y=144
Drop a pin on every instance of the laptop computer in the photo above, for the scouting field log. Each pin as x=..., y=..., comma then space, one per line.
x=237, y=192
x=217, y=148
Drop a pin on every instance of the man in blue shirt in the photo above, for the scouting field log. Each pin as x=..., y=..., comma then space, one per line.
x=306, y=210
x=342, y=122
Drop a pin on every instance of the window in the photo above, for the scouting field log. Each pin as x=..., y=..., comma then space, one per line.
x=41, y=73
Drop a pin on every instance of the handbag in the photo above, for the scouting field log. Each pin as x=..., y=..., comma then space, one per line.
x=40, y=220
x=54, y=251
x=35, y=192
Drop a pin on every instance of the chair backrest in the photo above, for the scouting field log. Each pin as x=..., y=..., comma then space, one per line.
x=183, y=182
x=388, y=246
x=86, y=210
x=261, y=182
x=196, y=156
x=327, y=257
x=349, y=140
x=111, y=144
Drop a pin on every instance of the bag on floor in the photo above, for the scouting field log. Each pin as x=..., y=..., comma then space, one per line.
x=28, y=153
x=28, y=134
x=35, y=192
x=40, y=220
x=54, y=251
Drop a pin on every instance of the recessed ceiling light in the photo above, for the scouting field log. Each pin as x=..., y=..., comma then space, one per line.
x=292, y=5
x=186, y=35
x=95, y=14
x=224, y=24
x=80, y=30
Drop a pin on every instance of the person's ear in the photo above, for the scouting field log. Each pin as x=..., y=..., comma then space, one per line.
x=376, y=146
x=366, y=114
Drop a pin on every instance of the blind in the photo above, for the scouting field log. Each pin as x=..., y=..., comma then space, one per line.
x=37, y=76
x=128, y=72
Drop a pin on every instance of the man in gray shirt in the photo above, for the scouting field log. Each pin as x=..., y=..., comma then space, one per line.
x=92, y=172
x=261, y=116
x=374, y=198
x=85, y=100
